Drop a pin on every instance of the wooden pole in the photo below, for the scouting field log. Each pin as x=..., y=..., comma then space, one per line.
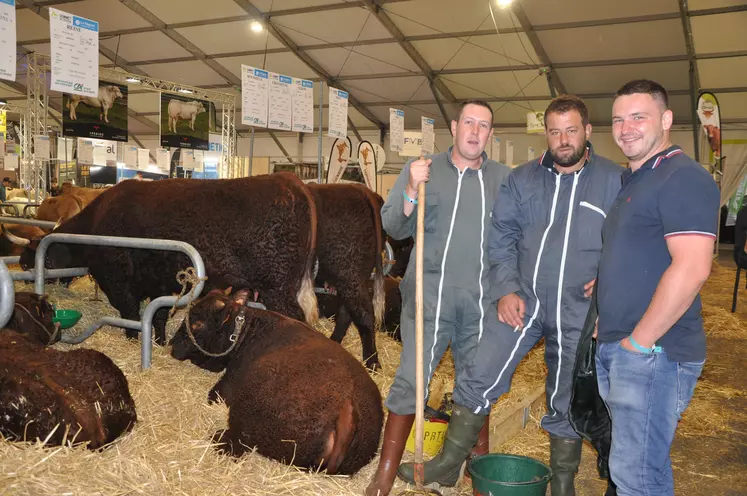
x=419, y=382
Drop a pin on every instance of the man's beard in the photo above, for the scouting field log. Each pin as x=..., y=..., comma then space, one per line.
x=571, y=159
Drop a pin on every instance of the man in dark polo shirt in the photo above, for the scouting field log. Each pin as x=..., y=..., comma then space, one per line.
x=658, y=244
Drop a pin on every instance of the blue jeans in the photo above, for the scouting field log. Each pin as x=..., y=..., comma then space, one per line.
x=646, y=394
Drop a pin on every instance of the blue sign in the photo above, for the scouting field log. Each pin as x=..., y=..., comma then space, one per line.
x=12, y=3
x=342, y=94
x=260, y=73
x=85, y=23
x=286, y=80
x=307, y=84
x=401, y=113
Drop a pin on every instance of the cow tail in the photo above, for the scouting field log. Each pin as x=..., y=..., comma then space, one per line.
x=378, y=286
x=306, y=296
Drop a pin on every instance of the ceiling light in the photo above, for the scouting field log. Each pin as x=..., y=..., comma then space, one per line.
x=3, y=102
x=132, y=80
x=182, y=90
x=504, y=3
x=256, y=26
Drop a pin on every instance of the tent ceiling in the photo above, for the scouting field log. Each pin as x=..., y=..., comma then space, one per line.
x=591, y=46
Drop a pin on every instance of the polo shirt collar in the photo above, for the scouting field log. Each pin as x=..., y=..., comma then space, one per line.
x=448, y=158
x=656, y=160
x=547, y=161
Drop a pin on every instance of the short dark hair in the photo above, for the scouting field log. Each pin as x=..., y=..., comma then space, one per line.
x=479, y=103
x=6, y=179
x=565, y=103
x=646, y=86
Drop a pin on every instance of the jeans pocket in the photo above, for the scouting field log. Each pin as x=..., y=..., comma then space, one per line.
x=687, y=377
x=633, y=353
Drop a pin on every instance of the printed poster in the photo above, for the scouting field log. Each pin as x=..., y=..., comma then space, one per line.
x=85, y=151
x=162, y=157
x=280, y=108
x=303, y=106
x=8, y=39
x=255, y=94
x=396, y=130
x=495, y=149
x=130, y=156
x=509, y=153
x=143, y=158
x=41, y=147
x=338, y=113
x=101, y=117
x=75, y=53
x=185, y=122
x=426, y=128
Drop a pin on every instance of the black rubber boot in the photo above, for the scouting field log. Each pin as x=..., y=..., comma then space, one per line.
x=461, y=437
x=565, y=457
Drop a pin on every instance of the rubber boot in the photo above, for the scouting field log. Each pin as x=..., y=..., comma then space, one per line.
x=396, y=432
x=461, y=437
x=483, y=444
x=565, y=457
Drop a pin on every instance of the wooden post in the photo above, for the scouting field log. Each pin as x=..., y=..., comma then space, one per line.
x=419, y=382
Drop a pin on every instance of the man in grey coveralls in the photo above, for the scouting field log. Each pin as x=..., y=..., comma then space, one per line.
x=545, y=244
x=462, y=184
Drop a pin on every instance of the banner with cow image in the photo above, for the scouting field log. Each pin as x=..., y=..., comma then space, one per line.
x=185, y=122
x=101, y=117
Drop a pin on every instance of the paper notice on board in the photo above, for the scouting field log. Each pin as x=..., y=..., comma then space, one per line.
x=530, y=153
x=338, y=113
x=396, y=130
x=495, y=149
x=143, y=158
x=255, y=94
x=509, y=153
x=303, y=106
x=426, y=128
x=41, y=147
x=188, y=159
x=280, y=108
x=130, y=156
x=199, y=160
x=75, y=53
x=11, y=162
x=85, y=151
x=8, y=39
x=65, y=149
x=162, y=157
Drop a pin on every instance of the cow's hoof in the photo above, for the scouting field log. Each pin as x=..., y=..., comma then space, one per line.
x=132, y=334
x=373, y=364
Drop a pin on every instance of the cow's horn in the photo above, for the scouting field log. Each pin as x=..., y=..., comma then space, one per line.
x=13, y=238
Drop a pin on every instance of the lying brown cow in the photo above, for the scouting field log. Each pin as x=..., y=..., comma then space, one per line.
x=16, y=237
x=32, y=316
x=65, y=397
x=284, y=381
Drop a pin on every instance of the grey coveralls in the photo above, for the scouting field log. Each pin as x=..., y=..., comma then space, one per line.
x=544, y=244
x=455, y=267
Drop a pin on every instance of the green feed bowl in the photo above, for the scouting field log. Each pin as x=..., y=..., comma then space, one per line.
x=66, y=318
x=499, y=474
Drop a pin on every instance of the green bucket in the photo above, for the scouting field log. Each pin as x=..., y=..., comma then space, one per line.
x=66, y=318
x=498, y=474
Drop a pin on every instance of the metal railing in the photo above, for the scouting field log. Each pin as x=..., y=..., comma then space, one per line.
x=145, y=325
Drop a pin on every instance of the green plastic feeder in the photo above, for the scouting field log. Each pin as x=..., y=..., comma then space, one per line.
x=66, y=318
x=499, y=474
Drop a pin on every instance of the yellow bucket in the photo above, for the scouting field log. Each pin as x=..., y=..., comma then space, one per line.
x=434, y=432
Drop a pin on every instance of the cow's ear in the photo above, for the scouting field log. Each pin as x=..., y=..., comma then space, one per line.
x=219, y=304
x=242, y=296
x=228, y=290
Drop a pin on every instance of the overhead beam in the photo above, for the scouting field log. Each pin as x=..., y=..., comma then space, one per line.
x=280, y=145
x=440, y=105
x=553, y=77
x=693, y=71
x=411, y=51
x=353, y=127
x=313, y=64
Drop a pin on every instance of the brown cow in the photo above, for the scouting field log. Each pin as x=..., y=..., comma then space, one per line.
x=64, y=397
x=32, y=317
x=283, y=381
x=16, y=237
x=60, y=208
x=87, y=195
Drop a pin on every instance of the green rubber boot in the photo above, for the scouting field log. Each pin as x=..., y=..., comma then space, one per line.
x=565, y=457
x=461, y=435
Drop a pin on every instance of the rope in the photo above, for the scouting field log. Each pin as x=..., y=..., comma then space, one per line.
x=189, y=276
x=53, y=335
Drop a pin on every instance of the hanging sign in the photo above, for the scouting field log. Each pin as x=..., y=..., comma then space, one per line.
x=41, y=147
x=75, y=53
x=143, y=158
x=339, y=156
x=412, y=144
x=303, y=106
x=162, y=158
x=130, y=156
x=495, y=149
x=188, y=159
x=396, y=129
x=255, y=94
x=426, y=129
x=530, y=153
x=85, y=151
x=338, y=113
x=535, y=122
x=199, y=160
x=509, y=153
x=709, y=116
x=280, y=108
x=8, y=39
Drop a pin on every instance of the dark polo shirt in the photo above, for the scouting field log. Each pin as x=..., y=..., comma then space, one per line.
x=669, y=195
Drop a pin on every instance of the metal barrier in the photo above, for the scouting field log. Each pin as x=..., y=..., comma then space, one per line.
x=146, y=324
x=7, y=295
x=11, y=205
x=28, y=206
x=44, y=224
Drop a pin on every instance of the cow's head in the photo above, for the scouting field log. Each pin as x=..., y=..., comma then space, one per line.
x=200, y=107
x=32, y=317
x=216, y=320
x=114, y=91
x=59, y=256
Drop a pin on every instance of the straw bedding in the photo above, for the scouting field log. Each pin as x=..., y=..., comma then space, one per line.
x=169, y=450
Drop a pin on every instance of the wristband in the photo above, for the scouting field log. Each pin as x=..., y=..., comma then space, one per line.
x=653, y=349
x=404, y=193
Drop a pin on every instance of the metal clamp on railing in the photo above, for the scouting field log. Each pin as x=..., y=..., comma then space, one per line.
x=145, y=326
